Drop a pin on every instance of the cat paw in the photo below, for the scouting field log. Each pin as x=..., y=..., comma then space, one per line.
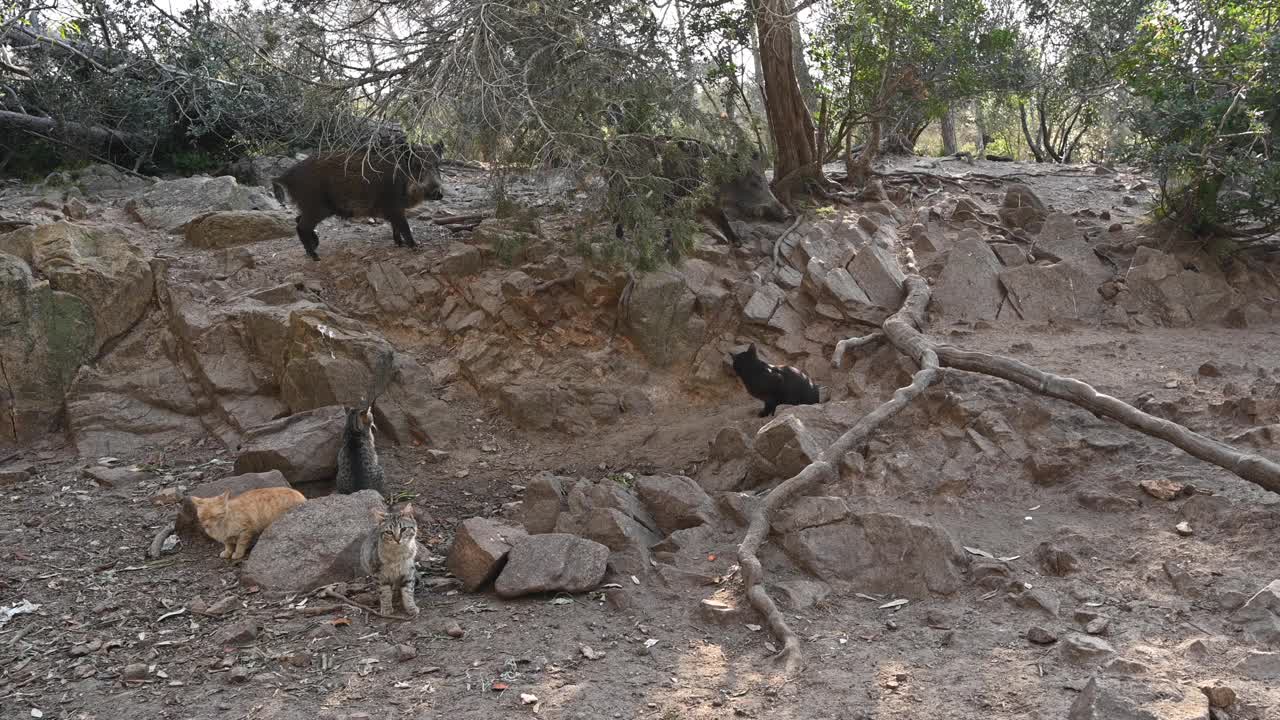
x=411, y=610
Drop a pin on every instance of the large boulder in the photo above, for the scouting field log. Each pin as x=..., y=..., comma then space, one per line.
x=97, y=264
x=675, y=502
x=223, y=229
x=171, y=204
x=304, y=447
x=260, y=170
x=314, y=544
x=657, y=317
x=969, y=288
x=45, y=335
x=406, y=412
x=882, y=552
x=106, y=182
x=876, y=271
x=1110, y=699
x=555, y=562
x=187, y=526
x=479, y=551
x=1022, y=208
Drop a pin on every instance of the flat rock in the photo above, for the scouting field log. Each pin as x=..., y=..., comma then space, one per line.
x=188, y=527
x=303, y=447
x=968, y=290
x=1079, y=649
x=224, y=229
x=554, y=562
x=763, y=302
x=809, y=511
x=800, y=594
x=1022, y=208
x=1260, y=665
x=314, y=544
x=657, y=317
x=675, y=501
x=479, y=551
x=1260, y=616
x=1051, y=293
x=883, y=553
x=1103, y=699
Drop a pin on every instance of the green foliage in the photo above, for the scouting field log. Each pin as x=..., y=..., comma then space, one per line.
x=929, y=53
x=1208, y=75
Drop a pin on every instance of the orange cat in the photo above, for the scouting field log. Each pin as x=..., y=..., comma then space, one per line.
x=235, y=522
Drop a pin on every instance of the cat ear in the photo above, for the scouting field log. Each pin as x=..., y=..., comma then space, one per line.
x=751, y=350
x=378, y=514
x=407, y=510
x=366, y=416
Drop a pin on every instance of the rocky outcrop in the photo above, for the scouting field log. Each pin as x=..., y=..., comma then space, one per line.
x=169, y=205
x=97, y=264
x=45, y=335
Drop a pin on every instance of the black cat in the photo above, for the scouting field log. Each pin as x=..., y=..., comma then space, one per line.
x=774, y=384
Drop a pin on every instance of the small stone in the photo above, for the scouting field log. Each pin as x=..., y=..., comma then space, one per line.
x=1129, y=200
x=1209, y=370
x=1098, y=626
x=1115, y=227
x=238, y=675
x=1105, y=215
x=406, y=652
x=453, y=629
x=1184, y=529
x=238, y=634
x=1124, y=667
x=1163, y=489
x=1219, y=696
x=1085, y=650
x=167, y=496
x=1041, y=636
x=134, y=672
x=437, y=456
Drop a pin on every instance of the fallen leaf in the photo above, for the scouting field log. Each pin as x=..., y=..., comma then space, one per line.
x=770, y=647
x=753, y=628
x=979, y=553
x=650, y=642
x=528, y=699
x=711, y=557
x=894, y=604
x=1009, y=558
x=561, y=601
x=341, y=621
x=635, y=580
x=499, y=686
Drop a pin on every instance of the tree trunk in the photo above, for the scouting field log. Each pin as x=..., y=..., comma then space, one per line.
x=980, y=124
x=798, y=59
x=949, y=132
x=790, y=124
x=1026, y=133
x=90, y=137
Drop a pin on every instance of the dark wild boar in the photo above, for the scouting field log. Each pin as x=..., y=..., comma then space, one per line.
x=381, y=183
x=689, y=165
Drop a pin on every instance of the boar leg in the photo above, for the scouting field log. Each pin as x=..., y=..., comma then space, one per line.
x=307, y=234
x=400, y=230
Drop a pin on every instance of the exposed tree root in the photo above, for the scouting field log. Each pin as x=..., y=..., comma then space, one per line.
x=900, y=329
x=328, y=591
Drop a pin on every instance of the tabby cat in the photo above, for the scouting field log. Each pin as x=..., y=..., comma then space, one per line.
x=389, y=553
x=358, y=467
x=237, y=521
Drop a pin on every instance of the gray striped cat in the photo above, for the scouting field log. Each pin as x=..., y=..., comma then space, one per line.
x=389, y=553
x=358, y=467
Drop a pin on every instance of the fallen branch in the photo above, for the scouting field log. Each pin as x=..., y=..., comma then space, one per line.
x=457, y=219
x=328, y=592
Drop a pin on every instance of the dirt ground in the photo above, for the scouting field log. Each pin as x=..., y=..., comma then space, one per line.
x=77, y=550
